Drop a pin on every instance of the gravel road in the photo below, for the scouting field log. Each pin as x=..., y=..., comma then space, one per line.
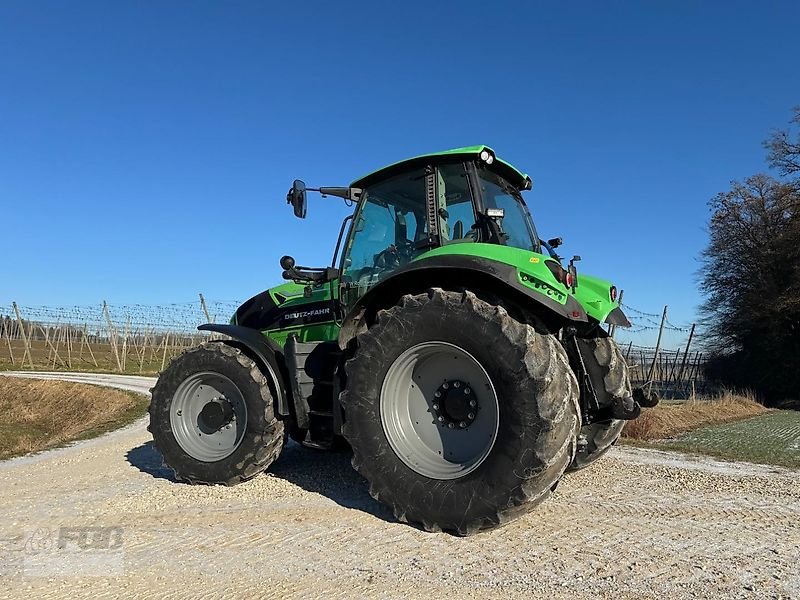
x=102, y=518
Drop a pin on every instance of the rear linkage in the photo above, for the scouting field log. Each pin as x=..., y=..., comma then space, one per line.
x=625, y=409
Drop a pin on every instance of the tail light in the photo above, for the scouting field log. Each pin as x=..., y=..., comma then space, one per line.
x=568, y=279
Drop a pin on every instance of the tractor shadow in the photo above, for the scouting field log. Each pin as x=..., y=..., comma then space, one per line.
x=148, y=460
x=329, y=474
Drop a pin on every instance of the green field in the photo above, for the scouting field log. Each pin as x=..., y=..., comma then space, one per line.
x=773, y=438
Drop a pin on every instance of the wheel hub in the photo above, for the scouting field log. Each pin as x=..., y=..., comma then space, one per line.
x=430, y=439
x=208, y=416
x=217, y=413
x=454, y=404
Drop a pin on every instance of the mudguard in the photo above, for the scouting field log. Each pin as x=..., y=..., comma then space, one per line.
x=268, y=353
x=617, y=317
x=451, y=270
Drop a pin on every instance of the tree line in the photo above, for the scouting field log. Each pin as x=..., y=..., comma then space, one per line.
x=751, y=276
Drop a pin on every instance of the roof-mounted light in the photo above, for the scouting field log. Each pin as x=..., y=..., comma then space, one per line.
x=495, y=213
x=487, y=156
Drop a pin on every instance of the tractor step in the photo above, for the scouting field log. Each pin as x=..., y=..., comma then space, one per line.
x=318, y=444
x=320, y=413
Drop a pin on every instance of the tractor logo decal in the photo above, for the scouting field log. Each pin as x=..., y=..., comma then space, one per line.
x=307, y=313
x=314, y=312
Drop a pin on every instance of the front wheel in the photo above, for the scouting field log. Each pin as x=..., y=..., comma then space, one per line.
x=460, y=416
x=212, y=416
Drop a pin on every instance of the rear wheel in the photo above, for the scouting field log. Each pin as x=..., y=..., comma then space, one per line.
x=608, y=371
x=212, y=416
x=460, y=416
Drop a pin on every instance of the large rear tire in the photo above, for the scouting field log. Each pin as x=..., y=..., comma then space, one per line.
x=610, y=378
x=460, y=416
x=212, y=416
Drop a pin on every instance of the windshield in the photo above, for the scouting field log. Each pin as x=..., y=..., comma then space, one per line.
x=386, y=227
x=517, y=225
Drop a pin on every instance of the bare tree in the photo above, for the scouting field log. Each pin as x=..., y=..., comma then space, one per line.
x=783, y=147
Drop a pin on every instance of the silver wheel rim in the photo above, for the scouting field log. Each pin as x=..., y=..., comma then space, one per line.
x=202, y=438
x=434, y=435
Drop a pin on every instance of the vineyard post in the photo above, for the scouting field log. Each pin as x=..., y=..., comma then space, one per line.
x=164, y=357
x=112, y=335
x=125, y=342
x=89, y=347
x=658, y=348
x=56, y=355
x=68, y=339
x=685, y=355
x=24, y=337
x=8, y=341
x=83, y=341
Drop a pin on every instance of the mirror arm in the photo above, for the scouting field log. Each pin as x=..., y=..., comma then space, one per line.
x=347, y=193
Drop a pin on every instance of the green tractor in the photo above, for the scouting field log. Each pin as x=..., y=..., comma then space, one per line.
x=463, y=363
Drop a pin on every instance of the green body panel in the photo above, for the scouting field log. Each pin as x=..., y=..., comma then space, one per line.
x=319, y=332
x=592, y=292
x=295, y=296
x=467, y=153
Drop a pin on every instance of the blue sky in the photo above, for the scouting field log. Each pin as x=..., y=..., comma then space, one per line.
x=146, y=147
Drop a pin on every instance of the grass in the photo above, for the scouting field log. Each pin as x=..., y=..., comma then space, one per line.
x=728, y=426
x=773, y=438
x=44, y=414
x=671, y=418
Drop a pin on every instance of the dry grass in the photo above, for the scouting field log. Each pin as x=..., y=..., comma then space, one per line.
x=42, y=414
x=669, y=419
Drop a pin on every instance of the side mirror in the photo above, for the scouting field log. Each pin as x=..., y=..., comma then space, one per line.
x=287, y=262
x=297, y=198
x=555, y=242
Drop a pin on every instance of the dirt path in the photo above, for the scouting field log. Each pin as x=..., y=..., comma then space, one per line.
x=642, y=524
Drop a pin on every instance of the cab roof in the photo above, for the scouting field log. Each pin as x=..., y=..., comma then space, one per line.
x=499, y=166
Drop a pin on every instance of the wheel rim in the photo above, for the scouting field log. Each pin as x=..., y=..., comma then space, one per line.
x=439, y=410
x=208, y=416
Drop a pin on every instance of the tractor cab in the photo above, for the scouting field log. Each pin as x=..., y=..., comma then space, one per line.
x=466, y=195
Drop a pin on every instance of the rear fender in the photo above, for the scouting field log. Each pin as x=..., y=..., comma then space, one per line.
x=454, y=271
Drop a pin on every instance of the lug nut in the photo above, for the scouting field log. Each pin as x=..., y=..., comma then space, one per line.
x=467, y=391
x=473, y=404
x=437, y=393
x=457, y=384
x=435, y=407
x=450, y=425
x=471, y=416
x=441, y=419
x=445, y=385
x=462, y=424
x=179, y=413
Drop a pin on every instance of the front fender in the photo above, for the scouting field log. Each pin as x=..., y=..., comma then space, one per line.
x=268, y=354
x=617, y=318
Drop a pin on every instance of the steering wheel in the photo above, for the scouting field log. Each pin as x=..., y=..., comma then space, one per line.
x=394, y=256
